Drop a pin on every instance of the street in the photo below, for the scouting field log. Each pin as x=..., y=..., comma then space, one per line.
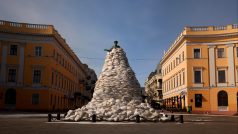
x=195, y=124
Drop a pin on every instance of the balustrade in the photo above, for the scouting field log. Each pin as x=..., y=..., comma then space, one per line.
x=235, y=26
x=199, y=28
x=220, y=28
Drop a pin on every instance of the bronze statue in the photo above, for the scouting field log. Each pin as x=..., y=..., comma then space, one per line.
x=114, y=46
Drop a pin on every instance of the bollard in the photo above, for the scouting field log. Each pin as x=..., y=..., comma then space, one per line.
x=58, y=116
x=49, y=117
x=137, y=118
x=94, y=118
x=172, y=118
x=180, y=118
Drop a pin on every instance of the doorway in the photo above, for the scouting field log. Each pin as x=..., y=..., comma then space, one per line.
x=10, y=99
x=237, y=101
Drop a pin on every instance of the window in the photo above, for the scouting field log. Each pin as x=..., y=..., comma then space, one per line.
x=13, y=50
x=36, y=76
x=177, y=82
x=180, y=83
x=51, y=98
x=236, y=51
x=221, y=76
x=37, y=51
x=196, y=53
x=52, y=78
x=222, y=98
x=57, y=57
x=198, y=100
x=54, y=53
x=174, y=82
x=12, y=75
x=159, y=71
x=183, y=78
x=35, y=99
x=160, y=83
x=197, y=76
x=183, y=56
x=220, y=53
x=179, y=59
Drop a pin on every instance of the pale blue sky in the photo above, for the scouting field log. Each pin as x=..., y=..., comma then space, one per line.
x=144, y=28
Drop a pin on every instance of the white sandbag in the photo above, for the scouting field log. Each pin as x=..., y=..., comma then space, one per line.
x=117, y=94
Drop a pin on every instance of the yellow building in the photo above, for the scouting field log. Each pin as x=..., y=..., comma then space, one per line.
x=200, y=70
x=39, y=71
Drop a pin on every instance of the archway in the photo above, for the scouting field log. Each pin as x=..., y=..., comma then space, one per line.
x=222, y=98
x=10, y=98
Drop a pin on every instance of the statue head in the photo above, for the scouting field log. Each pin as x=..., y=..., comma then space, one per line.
x=115, y=42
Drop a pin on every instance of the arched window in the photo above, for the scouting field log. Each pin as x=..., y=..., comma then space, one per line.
x=10, y=97
x=222, y=98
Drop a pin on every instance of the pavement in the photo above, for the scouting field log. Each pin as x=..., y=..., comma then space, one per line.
x=195, y=124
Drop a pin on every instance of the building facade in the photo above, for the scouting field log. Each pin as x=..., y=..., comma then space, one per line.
x=153, y=88
x=200, y=70
x=39, y=71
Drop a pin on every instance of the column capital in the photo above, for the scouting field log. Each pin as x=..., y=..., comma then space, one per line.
x=21, y=44
x=211, y=46
x=4, y=43
x=230, y=45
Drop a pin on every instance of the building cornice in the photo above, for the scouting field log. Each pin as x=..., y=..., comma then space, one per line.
x=37, y=32
x=202, y=32
x=212, y=43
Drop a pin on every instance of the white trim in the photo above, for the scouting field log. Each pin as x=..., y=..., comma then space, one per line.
x=231, y=69
x=3, y=64
x=197, y=84
x=223, y=108
x=212, y=70
x=209, y=43
x=173, y=92
x=21, y=64
x=199, y=88
x=222, y=84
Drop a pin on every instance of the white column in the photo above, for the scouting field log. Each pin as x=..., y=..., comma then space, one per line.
x=231, y=70
x=3, y=64
x=21, y=65
x=212, y=69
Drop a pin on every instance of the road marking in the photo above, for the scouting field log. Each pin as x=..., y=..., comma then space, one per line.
x=200, y=123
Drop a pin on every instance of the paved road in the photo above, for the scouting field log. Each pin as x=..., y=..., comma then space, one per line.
x=194, y=124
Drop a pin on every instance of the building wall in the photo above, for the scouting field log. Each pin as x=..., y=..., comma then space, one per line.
x=153, y=88
x=62, y=82
x=207, y=40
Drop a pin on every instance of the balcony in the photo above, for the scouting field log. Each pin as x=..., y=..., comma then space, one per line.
x=25, y=28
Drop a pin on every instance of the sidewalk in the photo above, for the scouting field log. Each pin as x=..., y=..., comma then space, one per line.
x=22, y=114
x=196, y=114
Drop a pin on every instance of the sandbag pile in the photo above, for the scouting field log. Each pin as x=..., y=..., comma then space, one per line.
x=117, y=94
